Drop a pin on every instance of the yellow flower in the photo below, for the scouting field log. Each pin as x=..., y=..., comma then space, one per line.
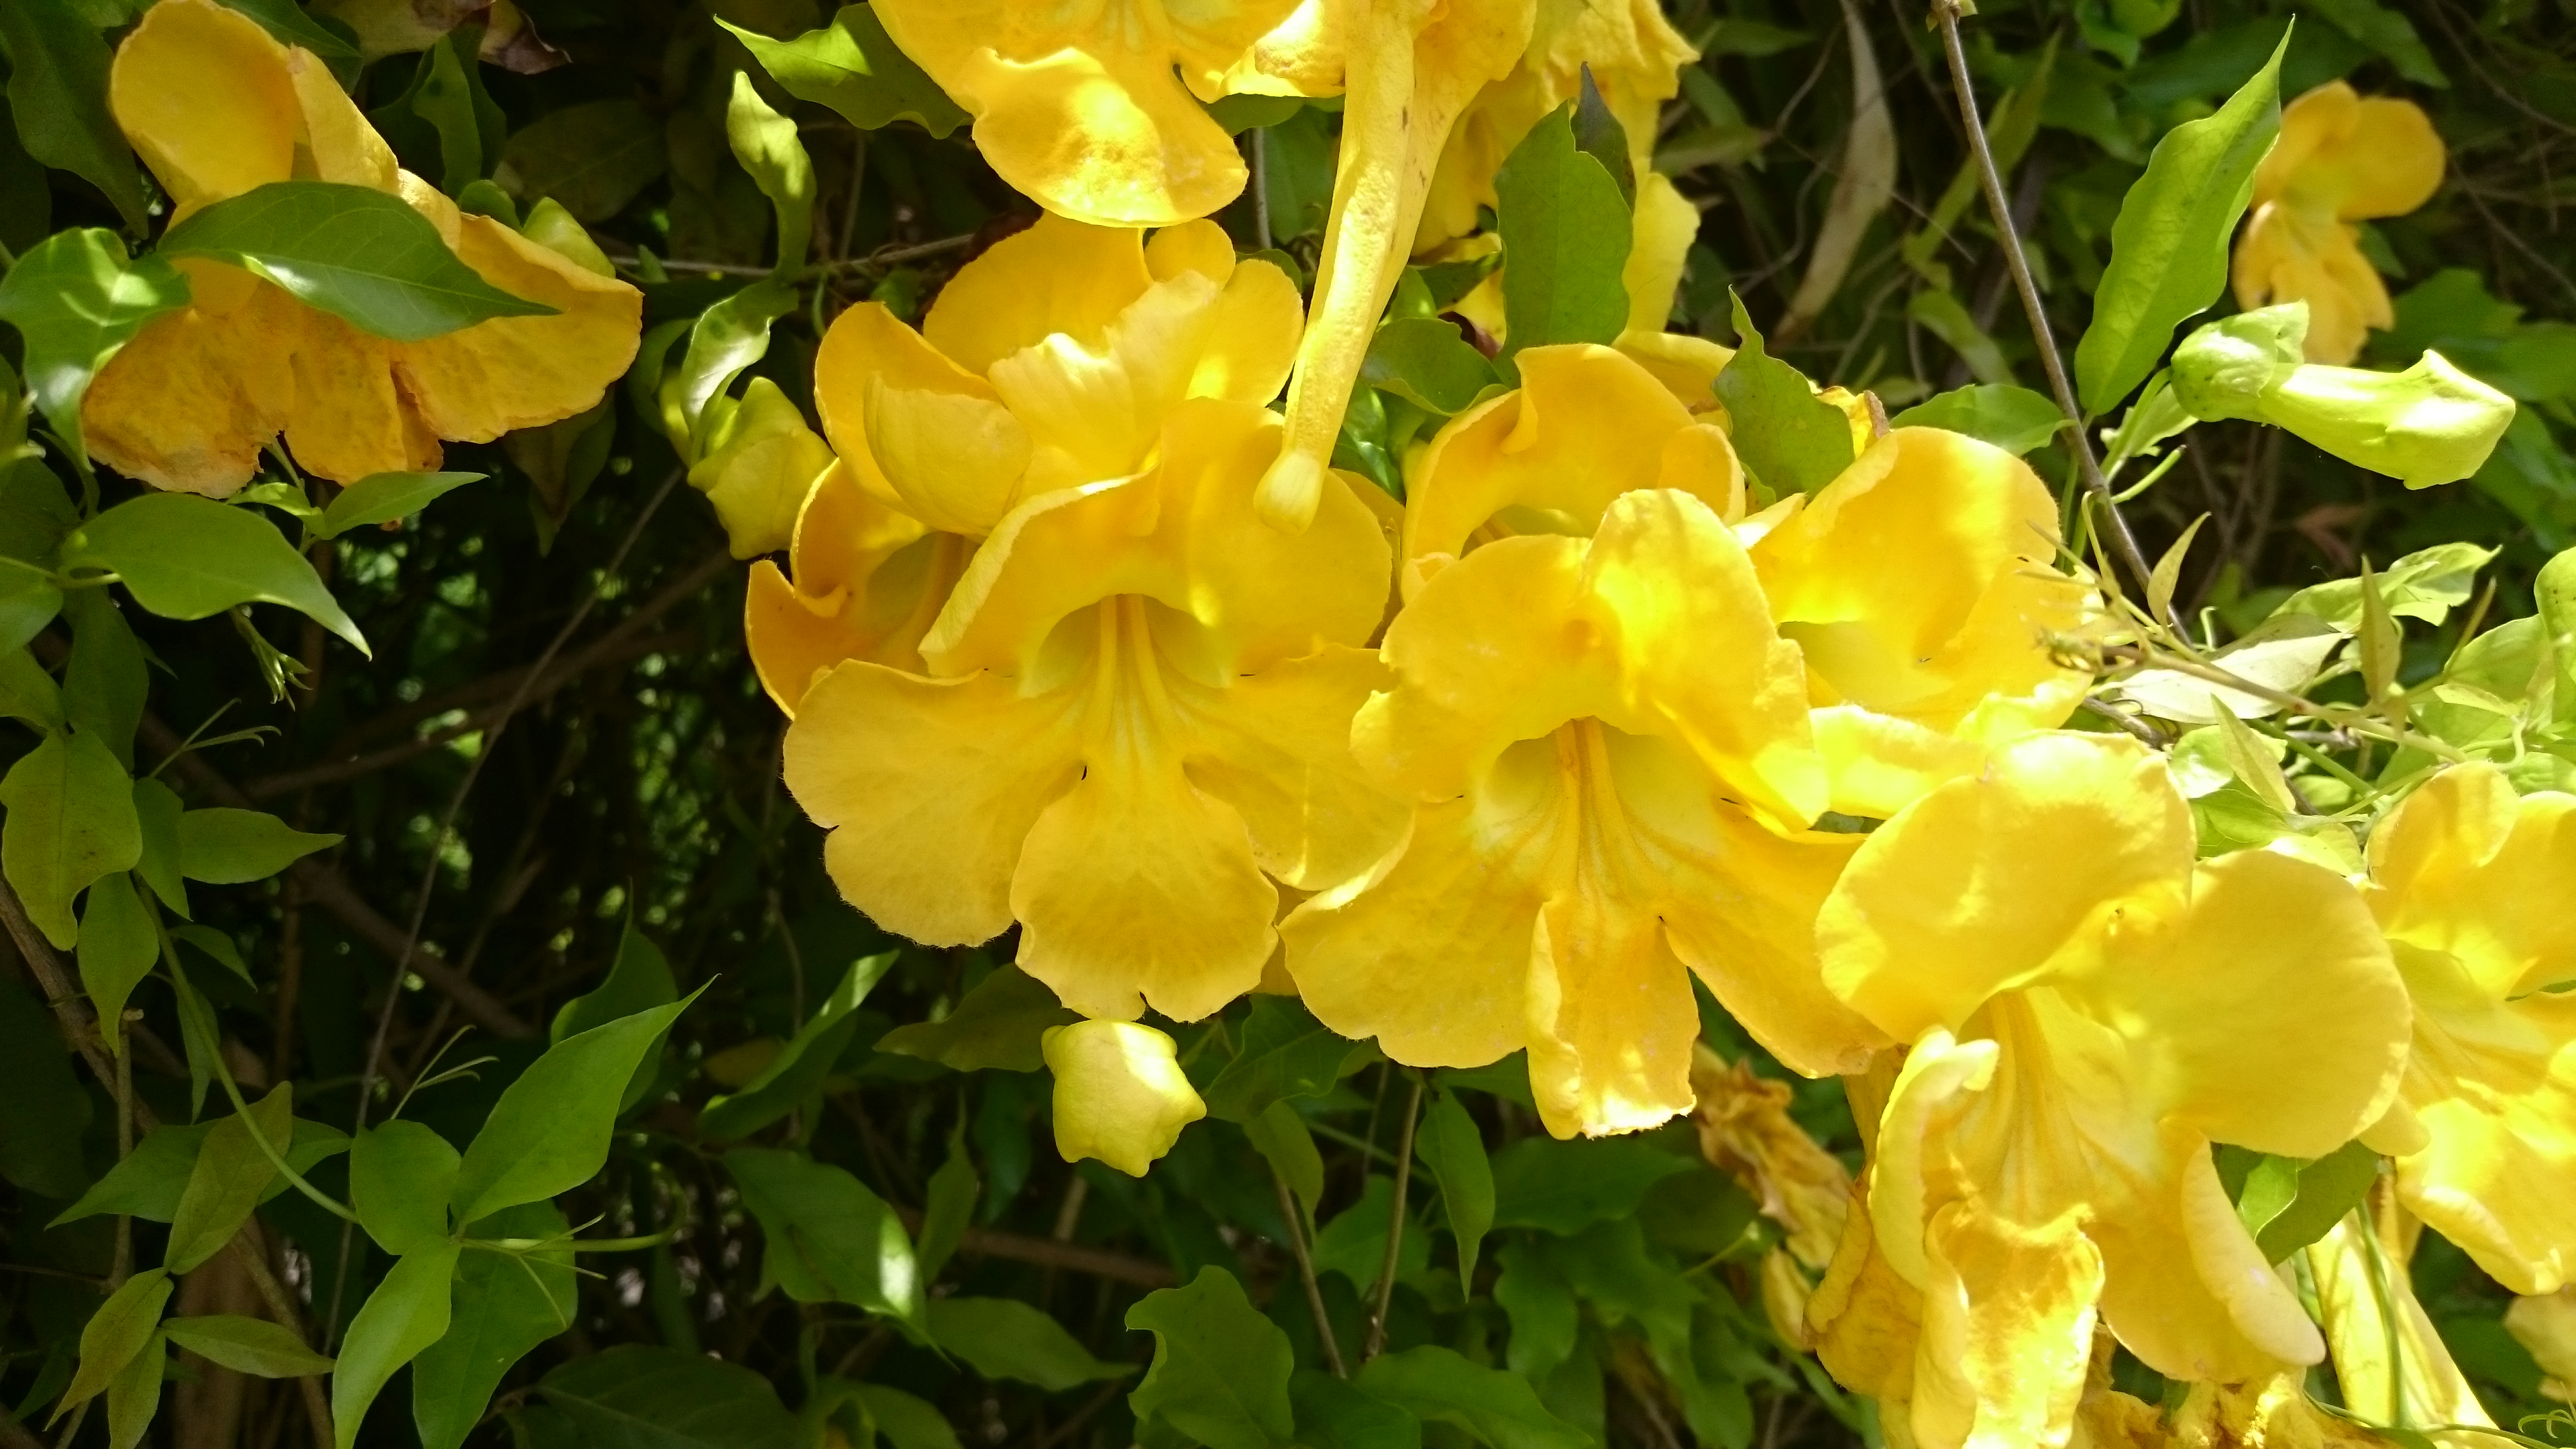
x=1604, y=741
x=1136, y=716
x=1408, y=69
x=1746, y=1132
x=1080, y=107
x=2471, y=886
x=2087, y=1010
x=761, y=462
x=2399, y=1374
x=1119, y=1093
x=2265, y=1413
x=1920, y=585
x=215, y=107
x=2546, y=1326
x=1050, y=361
x=2341, y=158
x=869, y=581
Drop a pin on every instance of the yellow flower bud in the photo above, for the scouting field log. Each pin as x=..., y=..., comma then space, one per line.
x=2430, y=424
x=763, y=461
x=1119, y=1093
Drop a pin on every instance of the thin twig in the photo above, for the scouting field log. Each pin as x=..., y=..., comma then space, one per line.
x=69, y=1009
x=1306, y=1274
x=282, y=1308
x=2123, y=542
x=1394, y=1223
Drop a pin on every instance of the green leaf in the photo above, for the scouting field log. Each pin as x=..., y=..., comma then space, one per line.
x=1285, y=1053
x=953, y=1189
x=70, y=820
x=729, y=336
x=225, y=1184
x=766, y=145
x=384, y=497
x=829, y=1238
x=445, y=99
x=592, y=159
x=28, y=599
x=2169, y=245
x=289, y=25
x=104, y=684
x=905, y=1421
x=115, y=1334
x=2554, y=590
x=852, y=67
x=2014, y=419
x=1534, y=1296
x=1426, y=362
x=400, y=1176
x=147, y=1182
x=1559, y=1187
x=549, y=1132
x=1280, y=1136
x=793, y=1077
x=247, y=1345
x=406, y=1314
x=186, y=557
x=636, y=1396
x=1598, y=134
x=359, y=254
x=505, y=1304
x=28, y=693
x=1565, y=232
x=43, y=1108
x=2388, y=32
x=134, y=1396
x=117, y=947
x=2288, y=1204
x=996, y=1025
x=1496, y=1407
x=157, y=809
x=2425, y=585
x=1335, y=1414
x=58, y=96
x=1450, y=1144
x=638, y=980
x=1004, y=1338
x=1220, y=1370
x=76, y=300
x=225, y=846
x=1791, y=439
x=1353, y=1243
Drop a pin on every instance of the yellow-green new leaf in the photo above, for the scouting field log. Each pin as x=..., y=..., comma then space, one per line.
x=70, y=820
x=186, y=557
x=247, y=1345
x=115, y=1334
x=766, y=145
x=400, y=1176
x=231, y=1173
x=549, y=1132
x=406, y=1314
x=117, y=947
x=225, y=846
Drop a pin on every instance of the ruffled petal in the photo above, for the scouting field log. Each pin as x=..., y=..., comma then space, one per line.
x=928, y=787
x=2007, y=1329
x=1252, y=340
x=1745, y=922
x=205, y=96
x=1057, y=276
x=350, y=416
x=1278, y=754
x=475, y=384
x=1666, y=226
x=1611, y=1019
x=189, y=403
x=2351, y=158
x=866, y=350
x=339, y=144
x=1120, y=1094
x=2184, y=1286
x=958, y=461
x=2466, y=868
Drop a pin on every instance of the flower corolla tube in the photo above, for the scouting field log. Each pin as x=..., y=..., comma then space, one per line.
x=2085, y=1010
x=2341, y=158
x=215, y=108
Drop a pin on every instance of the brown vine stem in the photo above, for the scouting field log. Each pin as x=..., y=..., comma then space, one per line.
x=2123, y=543
x=1306, y=1275
x=67, y=1005
x=1394, y=1223
x=282, y=1308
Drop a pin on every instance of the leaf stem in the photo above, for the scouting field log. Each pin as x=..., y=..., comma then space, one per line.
x=1394, y=1223
x=1296, y=1222
x=2123, y=543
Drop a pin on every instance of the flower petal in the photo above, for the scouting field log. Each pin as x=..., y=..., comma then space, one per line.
x=2360, y=1276
x=760, y=470
x=350, y=416
x=204, y=95
x=1745, y=924
x=2464, y=867
x=189, y=403
x=495, y=377
x=1058, y=276
x=2007, y=1329
x=956, y=460
x=1279, y=755
x=1252, y=341
x=1611, y=1019
x=1120, y=1094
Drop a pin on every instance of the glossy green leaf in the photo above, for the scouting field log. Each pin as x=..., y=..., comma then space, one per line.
x=28, y=600
x=1495, y=1407
x=406, y=1314
x=28, y=693
x=2014, y=419
x=505, y=1304
x=445, y=99
x=638, y=980
x=2388, y=32
x=76, y=299
x=230, y=1173
x=117, y=945
x=148, y=1181
x=186, y=557
x=635, y=1396
x=289, y=25
x=1793, y=440
x=385, y=497
x=134, y=1395
x=1004, y=1338
x=953, y=1189
x=906, y=1422
x=793, y=1077
x=829, y=1239
x=1281, y=1137
x=44, y=1110
x=1565, y=235
x=1453, y=1148
x=2288, y=1204
x=765, y=143
x=115, y=1334
x=225, y=846
x=2555, y=592
x=400, y=1176
x=1598, y=134
x=549, y=1132
x=361, y=255
x=2424, y=585
x=1285, y=1053
x=157, y=809
x=2169, y=245
x=851, y=66
x=247, y=1345
x=1336, y=1414
x=70, y=820
x=1559, y=1187
x=729, y=336
x=1220, y=1370
x=104, y=684
x=1428, y=363
x=995, y=1025
x=592, y=159
x=58, y=96
x=1353, y=1241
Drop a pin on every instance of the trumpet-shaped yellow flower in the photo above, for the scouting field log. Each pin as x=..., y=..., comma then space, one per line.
x=869, y=582
x=2393, y=1369
x=1050, y=361
x=1408, y=69
x=1921, y=586
x=1119, y=1093
x=1093, y=109
x=1136, y=716
x=2087, y=1010
x=215, y=107
x=2472, y=887
x=2266, y=1413
x=2341, y=158
x=1593, y=734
